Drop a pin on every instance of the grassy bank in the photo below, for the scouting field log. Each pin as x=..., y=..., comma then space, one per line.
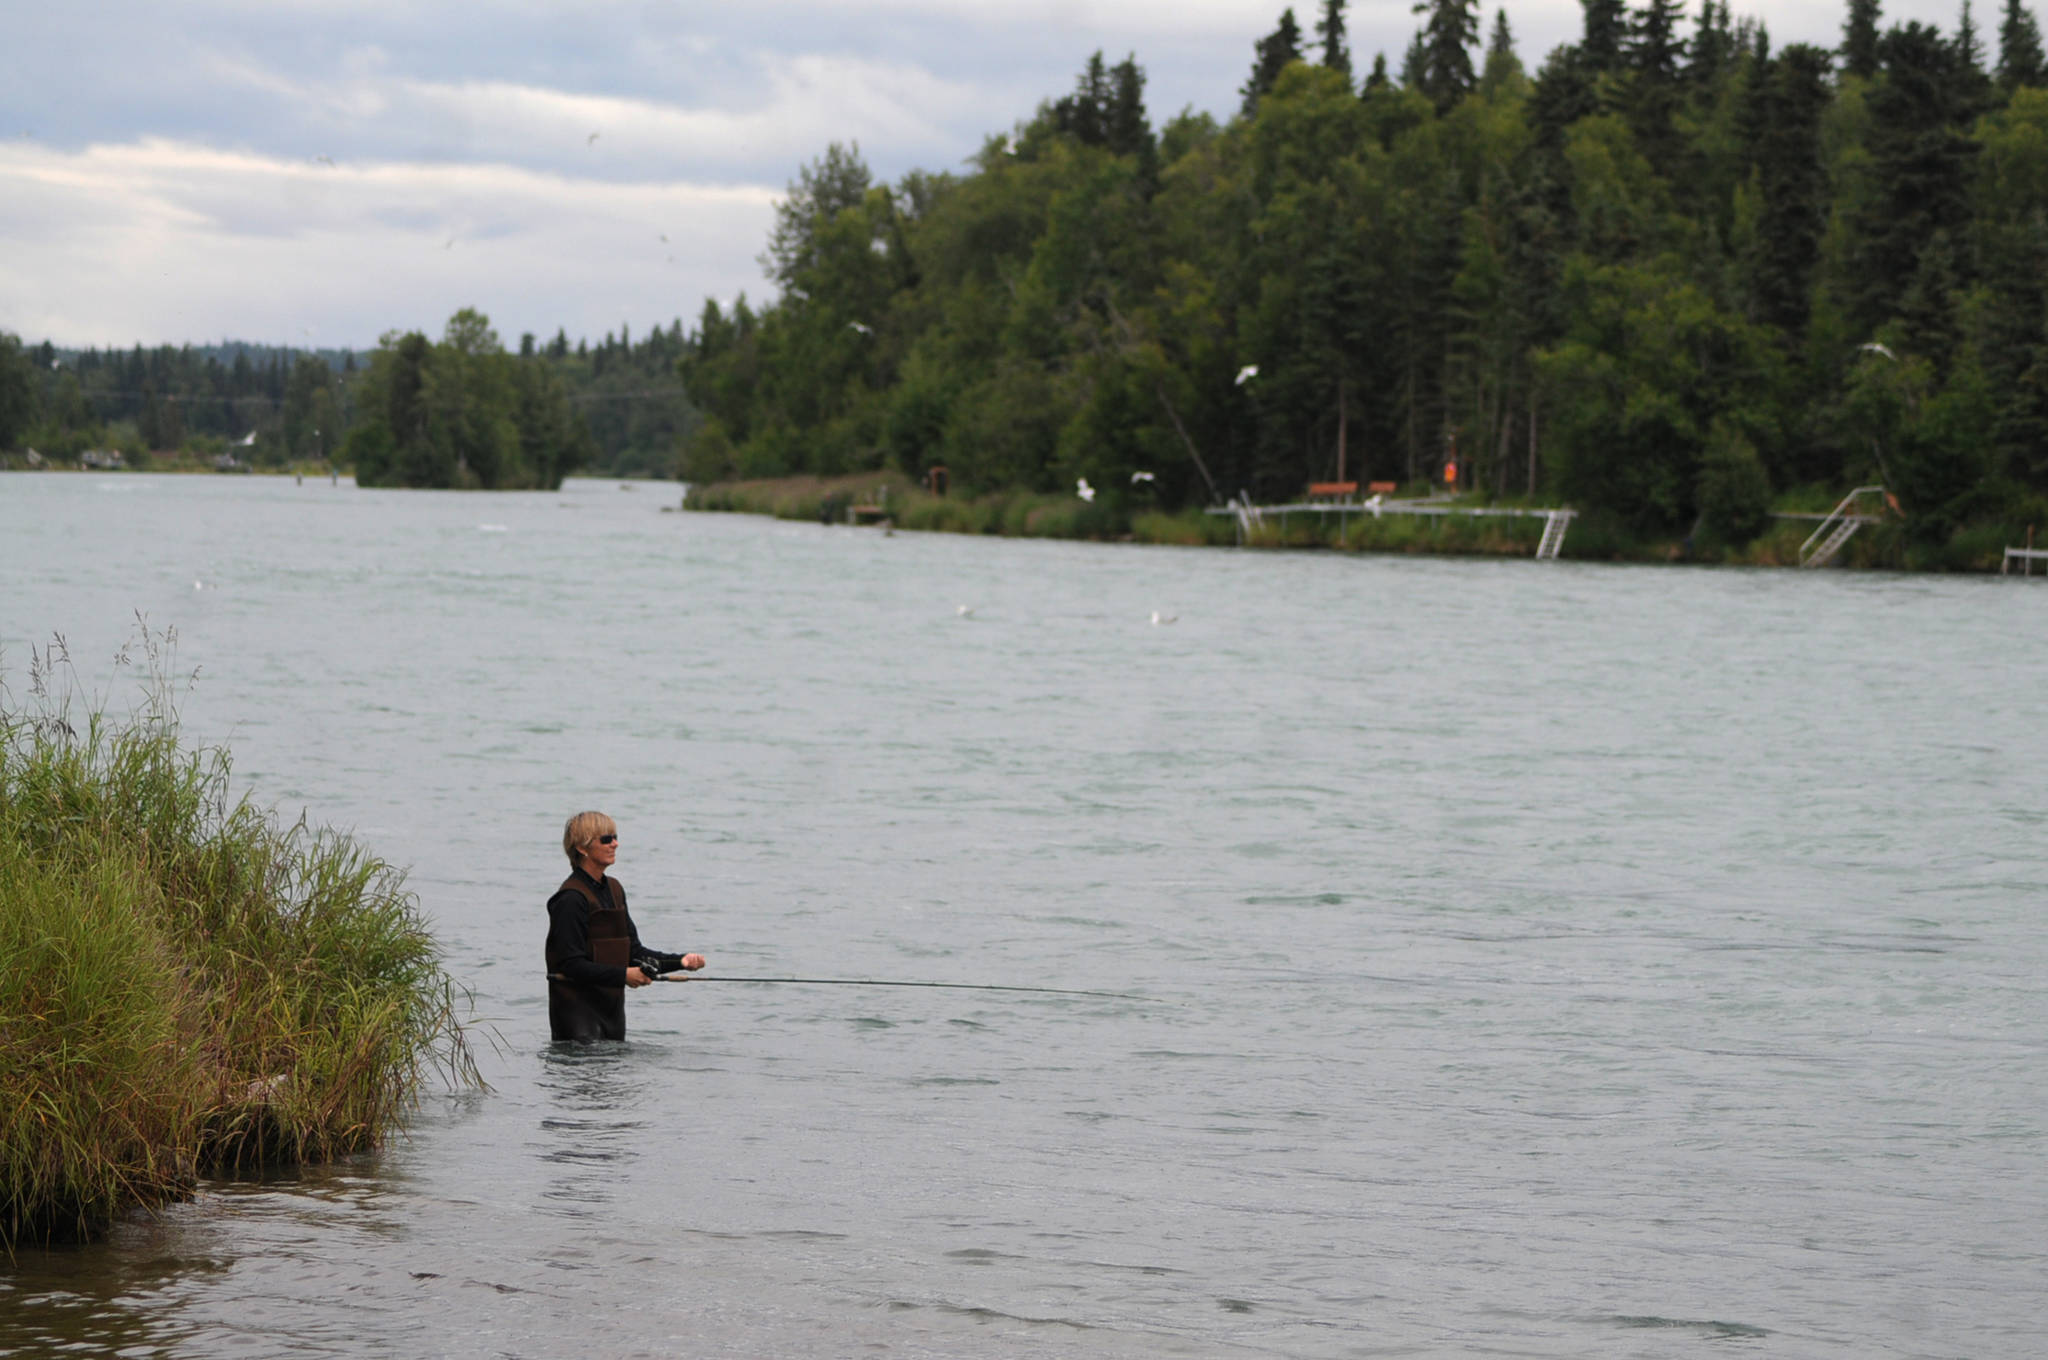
x=186, y=983
x=1888, y=545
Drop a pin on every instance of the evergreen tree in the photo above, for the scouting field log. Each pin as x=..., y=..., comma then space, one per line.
x=1655, y=51
x=1791, y=179
x=1271, y=55
x=1606, y=33
x=1085, y=114
x=1377, y=80
x=1711, y=47
x=1330, y=28
x=1860, y=39
x=1447, y=37
x=1920, y=161
x=1129, y=132
x=1975, y=92
x=2020, y=60
x=1502, y=41
x=1656, y=55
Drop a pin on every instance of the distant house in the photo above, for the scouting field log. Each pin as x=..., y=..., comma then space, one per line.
x=100, y=460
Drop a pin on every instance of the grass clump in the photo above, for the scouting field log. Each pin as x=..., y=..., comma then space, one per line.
x=186, y=983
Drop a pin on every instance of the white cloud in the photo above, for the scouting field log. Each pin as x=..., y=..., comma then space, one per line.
x=161, y=240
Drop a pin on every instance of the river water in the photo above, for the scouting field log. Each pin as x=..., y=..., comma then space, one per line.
x=1531, y=959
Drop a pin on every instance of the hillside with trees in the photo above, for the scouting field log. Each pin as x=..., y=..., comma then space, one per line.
x=1672, y=275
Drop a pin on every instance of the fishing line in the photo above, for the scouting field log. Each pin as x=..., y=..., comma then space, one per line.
x=881, y=982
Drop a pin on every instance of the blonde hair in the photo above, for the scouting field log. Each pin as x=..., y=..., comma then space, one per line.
x=582, y=829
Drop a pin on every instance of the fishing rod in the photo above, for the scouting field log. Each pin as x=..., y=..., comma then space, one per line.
x=882, y=982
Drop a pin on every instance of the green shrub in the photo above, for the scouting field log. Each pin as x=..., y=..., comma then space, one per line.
x=185, y=982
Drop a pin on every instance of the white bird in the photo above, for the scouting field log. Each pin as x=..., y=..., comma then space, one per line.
x=1248, y=372
x=199, y=585
x=1083, y=490
x=857, y=326
x=1159, y=618
x=1878, y=348
x=1137, y=477
x=965, y=611
x=246, y=440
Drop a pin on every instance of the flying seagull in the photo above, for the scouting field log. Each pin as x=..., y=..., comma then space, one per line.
x=1137, y=477
x=857, y=326
x=1248, y=372
x=1083, y=490
x=1877, y=348
x=591, y=138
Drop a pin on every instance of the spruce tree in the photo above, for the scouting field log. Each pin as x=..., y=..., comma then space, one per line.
x=1330, y=28
x=1606, y=33
x=1921, y=161
x=2020, y=60
x=1791, y=179
x=1446, y=40
x=1655, y=56
x=1502, y=41
x=1127, y=130
x=1709, y=49
x=1974, y=88
x=1859, y=39
x=1271, y=55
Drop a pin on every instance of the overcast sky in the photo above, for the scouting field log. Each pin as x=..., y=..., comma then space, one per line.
x=314, y=172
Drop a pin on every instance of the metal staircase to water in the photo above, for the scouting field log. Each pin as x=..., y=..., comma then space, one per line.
x=1838, y=528
x=1554, y=526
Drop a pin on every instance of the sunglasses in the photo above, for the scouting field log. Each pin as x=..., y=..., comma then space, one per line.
x=608, y=838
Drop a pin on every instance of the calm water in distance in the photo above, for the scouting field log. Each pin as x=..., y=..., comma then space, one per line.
x=1540, y=959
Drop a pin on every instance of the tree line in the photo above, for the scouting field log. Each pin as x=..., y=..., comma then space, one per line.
x=1674, y=276
x=458, y=411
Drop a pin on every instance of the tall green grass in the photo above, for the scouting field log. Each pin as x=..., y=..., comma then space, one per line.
x=186, y=983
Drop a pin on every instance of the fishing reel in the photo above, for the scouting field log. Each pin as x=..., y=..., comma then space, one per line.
x=650, y=965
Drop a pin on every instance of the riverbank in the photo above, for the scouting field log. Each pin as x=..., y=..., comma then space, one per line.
x=892, y=498
x=186, y=983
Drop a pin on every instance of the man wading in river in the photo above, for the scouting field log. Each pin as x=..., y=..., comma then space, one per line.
x=594, y=953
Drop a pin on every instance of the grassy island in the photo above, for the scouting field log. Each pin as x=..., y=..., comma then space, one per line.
x=186, y=982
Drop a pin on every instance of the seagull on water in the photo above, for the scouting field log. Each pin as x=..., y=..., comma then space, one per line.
x=965, y=611
x=1246, y=374
x=1159, y=618
x=1083, y=490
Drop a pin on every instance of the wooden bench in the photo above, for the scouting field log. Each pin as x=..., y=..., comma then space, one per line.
x=1332, y=490
x=1382, y=488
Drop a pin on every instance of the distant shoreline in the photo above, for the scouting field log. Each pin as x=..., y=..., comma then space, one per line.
x=892, y=501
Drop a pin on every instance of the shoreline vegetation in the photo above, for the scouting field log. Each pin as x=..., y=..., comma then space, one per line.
x=893, y=500
x=188, y=985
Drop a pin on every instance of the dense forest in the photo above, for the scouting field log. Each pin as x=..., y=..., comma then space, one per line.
x=1671, y=278
x=1674, y=278
x=459, y=411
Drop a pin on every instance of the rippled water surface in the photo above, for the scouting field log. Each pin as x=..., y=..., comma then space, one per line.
x=1532, y=959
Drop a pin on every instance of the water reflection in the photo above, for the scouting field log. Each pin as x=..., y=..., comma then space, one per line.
x=591, y=1124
